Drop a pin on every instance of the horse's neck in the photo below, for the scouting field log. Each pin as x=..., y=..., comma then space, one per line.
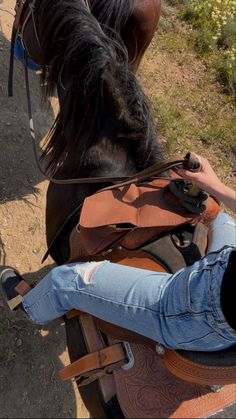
x=108, y=157
x=113, y=154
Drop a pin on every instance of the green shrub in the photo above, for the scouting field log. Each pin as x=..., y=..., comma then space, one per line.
x=228, y=35
x=226, y=72
x=188, y=13
x=204, y=41
x=214, y=29
x=175, y=2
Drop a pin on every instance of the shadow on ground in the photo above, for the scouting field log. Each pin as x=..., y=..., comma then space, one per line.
x=30, y=358
x=19, y=173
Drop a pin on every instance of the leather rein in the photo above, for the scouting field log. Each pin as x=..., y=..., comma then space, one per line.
x=189, y=161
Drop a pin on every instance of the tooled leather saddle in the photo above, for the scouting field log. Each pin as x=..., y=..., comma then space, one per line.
x=120, y=373
x=160, y=235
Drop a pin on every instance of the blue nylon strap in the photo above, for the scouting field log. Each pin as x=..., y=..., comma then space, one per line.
x=19, y=55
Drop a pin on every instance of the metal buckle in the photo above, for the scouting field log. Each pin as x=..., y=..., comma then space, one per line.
x=130, y=356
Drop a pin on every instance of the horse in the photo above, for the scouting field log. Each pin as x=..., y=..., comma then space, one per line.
x=103, y=110
x=89, y=51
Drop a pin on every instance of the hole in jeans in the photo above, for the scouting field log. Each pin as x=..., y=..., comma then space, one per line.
x=87, y=270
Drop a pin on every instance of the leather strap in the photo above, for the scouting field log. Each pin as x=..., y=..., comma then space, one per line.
x=92, y=336
x=95, y=362
x=151, y=172
x=19, y=10
x=14, y=302
x=22, y=288
x=94, y=341
x=73, y=313
x=11, y=63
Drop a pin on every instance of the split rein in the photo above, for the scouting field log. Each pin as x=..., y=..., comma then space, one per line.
x=190, y=161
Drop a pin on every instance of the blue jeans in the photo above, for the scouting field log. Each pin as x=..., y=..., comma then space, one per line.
x=180, y=311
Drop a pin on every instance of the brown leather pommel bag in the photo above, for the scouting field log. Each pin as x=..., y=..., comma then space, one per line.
x=132, y=215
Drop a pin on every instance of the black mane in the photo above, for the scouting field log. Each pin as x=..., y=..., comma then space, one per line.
x=85, y=58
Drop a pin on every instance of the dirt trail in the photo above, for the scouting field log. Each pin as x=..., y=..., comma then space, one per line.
x=30, y=357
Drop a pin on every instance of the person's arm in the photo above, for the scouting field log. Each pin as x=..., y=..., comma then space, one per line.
x=208, y=181
x=227, y=196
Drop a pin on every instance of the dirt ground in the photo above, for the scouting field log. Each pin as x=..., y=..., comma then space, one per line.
x=30, y=356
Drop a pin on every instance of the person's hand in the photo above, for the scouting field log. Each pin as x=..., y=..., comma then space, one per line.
x=208, y=181
x=206, y=178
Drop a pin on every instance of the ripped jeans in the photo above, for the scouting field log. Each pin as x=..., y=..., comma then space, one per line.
x=181, y=311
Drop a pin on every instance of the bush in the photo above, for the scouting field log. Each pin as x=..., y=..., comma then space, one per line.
x=204, y=41
x=226, y=72
x=214, y=25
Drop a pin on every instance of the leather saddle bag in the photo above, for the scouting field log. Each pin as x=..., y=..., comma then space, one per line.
x=132, y=215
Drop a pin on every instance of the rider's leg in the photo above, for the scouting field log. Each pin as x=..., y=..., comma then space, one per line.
x=222, y=232
x=228, y=292
x=180, y=311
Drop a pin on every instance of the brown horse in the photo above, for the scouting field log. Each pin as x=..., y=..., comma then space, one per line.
x=89, y=51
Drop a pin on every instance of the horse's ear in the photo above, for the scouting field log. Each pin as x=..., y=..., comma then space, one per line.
x=140, y=30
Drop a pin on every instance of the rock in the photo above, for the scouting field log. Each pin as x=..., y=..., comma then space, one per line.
x=19, y=343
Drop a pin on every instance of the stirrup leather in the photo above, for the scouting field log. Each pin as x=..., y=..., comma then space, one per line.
x=95, y=365
x=213, y=368
x=22, y=288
